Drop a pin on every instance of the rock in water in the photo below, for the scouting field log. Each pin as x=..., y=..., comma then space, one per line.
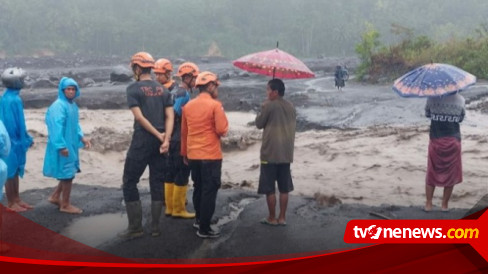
x=120, y=74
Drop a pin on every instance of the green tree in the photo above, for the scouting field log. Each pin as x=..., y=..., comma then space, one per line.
x=366, y=48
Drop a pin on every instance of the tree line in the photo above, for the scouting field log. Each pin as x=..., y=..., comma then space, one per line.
x=391, y=61
x=305, y=28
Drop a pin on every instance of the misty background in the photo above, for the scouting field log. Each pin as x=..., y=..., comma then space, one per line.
x=305, y=28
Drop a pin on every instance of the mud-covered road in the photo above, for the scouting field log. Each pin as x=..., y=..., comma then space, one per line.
x=312, y=227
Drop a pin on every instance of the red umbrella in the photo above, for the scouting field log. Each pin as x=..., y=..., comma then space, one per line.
x=275, y=63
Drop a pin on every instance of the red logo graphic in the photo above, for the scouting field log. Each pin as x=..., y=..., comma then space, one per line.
x=374, y=232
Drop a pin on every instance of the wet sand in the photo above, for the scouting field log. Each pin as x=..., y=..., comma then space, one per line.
x=372, y=166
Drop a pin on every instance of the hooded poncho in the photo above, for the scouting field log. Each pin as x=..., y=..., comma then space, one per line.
x=4, y=151
x=12, y=116
x=64, y=131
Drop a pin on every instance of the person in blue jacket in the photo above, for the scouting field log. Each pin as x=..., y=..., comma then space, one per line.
x=65, y=137
x=177, y=173
x=4, y=151
x=12, y=115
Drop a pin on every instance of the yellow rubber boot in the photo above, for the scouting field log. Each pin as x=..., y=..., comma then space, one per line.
x=179, y=198
x=168, y=198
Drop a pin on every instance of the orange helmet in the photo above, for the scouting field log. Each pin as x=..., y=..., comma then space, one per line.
x=162, y=66
x=142, y=59
x=188, y=68
x=206, y=77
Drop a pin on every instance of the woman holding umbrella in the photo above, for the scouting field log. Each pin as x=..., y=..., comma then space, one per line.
x=444, y=165
x=441, y=84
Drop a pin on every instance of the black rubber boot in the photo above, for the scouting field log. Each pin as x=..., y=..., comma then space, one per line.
x=156, y=208
x=134, y=214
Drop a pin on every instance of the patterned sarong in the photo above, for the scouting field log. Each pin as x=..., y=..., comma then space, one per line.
x=444, y=165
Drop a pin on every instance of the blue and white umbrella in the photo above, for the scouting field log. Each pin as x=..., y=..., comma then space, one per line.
x=433, y=80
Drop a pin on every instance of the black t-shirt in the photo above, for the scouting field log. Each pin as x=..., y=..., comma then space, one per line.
x=439, y=129
x=152, y=99
x=445, y=112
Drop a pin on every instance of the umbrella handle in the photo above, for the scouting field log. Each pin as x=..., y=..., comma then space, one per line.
x=274, y=68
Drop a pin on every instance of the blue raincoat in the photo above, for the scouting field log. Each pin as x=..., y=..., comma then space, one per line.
x=4, y=151
x=64, y=131
x=12, y=115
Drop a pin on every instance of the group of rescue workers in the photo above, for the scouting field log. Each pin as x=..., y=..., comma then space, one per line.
x=176, y=133
x=166, y=135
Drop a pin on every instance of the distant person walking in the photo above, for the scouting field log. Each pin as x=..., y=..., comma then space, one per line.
x=65, y=137
x=203, y=124
x=12, y=115
x=152, y=108
x=444, y=165
x=177, y=172
x=278, y=119
x=340, y=77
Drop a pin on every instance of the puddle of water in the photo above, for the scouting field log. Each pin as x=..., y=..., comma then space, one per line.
x=235, y=211
x=95, y=230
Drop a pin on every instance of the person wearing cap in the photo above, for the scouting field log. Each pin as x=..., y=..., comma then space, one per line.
x=177, y=173
x=163, y=68
x=278, y=119
x=65, y=137
x=12, y=116
x=152, y=108
x=203, y=123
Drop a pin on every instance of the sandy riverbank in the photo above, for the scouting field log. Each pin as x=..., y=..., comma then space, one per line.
x=372, y=166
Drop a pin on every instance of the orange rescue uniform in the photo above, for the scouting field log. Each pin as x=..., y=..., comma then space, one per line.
x=203, y=122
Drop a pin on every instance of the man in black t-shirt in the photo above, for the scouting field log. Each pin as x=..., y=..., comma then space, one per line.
x=152, y=108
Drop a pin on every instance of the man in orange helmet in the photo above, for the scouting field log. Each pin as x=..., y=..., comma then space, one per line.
x=163, y=70
x=188, y=73
x=153, y=124
x=177, y=173
x=203, y=124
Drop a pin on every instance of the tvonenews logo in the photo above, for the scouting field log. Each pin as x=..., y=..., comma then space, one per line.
x=474, y=232
x=375, y=232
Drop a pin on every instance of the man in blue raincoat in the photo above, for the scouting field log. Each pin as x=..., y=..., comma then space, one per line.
x=65, y=137
x=12, y=115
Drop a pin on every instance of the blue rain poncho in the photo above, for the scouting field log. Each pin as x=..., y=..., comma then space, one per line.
x=12, y=116
x=4, y=151
x=64, y=131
